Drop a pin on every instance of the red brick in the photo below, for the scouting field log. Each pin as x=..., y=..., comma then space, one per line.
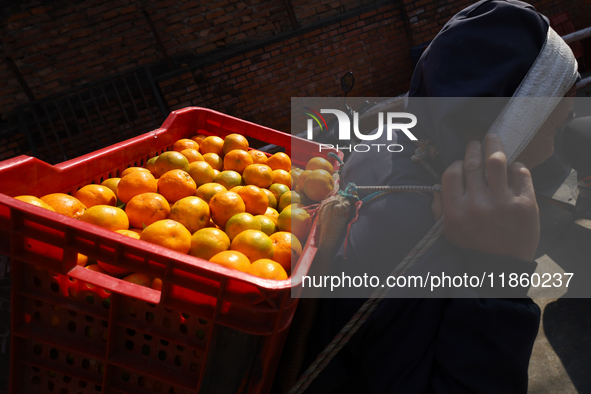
x=172, y=28
x=206, y=48
x=119, y=53
x=267, y=27
x=122, y=27
x=215, y=14
x=218, y=4
x=98, y=10
x=249, y=25
x=82, y=33
x=166, y=4
x=128, y=10
x=41, y=10
x=17, y=17
x=175, y=18
x=110, y=14
x=223, y=19
x=156, y=16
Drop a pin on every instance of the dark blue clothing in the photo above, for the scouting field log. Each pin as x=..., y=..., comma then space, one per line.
x=459, y=341
x=435, y=345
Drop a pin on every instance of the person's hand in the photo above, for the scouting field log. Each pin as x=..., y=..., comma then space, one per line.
x=494, y=213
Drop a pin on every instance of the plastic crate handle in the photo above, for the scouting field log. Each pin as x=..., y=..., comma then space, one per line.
x=115, y=285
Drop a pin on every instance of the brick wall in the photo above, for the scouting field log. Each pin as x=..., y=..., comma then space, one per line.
x=62, y=45
x=257, y=85
x=426, y=17
x=241, y=57
x=315, y=10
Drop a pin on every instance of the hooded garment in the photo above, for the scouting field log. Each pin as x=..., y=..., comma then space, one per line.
x=499, y=50
x=444, y=344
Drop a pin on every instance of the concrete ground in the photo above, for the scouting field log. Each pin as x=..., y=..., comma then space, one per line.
x=561, y=359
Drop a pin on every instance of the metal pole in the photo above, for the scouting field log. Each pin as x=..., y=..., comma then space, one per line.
x=20, y=79
x=27, y=131
x=291, y=14
x=583, y=83
x=158, y=40
x=148, y=106
x=156, y=92
x=100, y=115
x=577, y=35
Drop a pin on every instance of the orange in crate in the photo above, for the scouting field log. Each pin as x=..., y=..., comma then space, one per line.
x=136, y=182
x=35, y=201
x=128, y=233
x=224, y=205
x=185, y=143
x=65, y=204
x=208, y=190
x=228, y=179
x=282, y=177
x=192, y=155
x=106, y=216
x=232, y=259
x=234, y=141
x=192, y=212
x=146, y=208
x=279, y=161
x=268, y=269
x=214, y=160
x=267, y=225
x=212, y=144
x=201, y=172
x=258, y=157
x=91, y=195
x=237, y=160
x=272, y=214
x=254, y=244
x=260, y=175
x=168, y=161
x=208, y=242
x=286, y=249
x=255, y=199
x=129, y=170
x=241, y=222
x=270, y=198
x=319, y=163
x=198, y=138
x=111, y=183
x=176, y=184
x=169, y=234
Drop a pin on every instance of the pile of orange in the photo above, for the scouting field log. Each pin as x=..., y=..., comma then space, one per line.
x=210, y=197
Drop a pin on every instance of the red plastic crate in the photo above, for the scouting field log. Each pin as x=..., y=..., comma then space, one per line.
x=210, y=330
